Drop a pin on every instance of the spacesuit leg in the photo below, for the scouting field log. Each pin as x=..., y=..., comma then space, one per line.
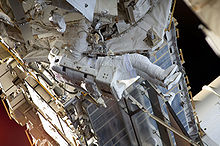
x=150, y=79
x=142, y=63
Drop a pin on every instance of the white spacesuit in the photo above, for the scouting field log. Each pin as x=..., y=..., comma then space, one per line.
x=123, y=67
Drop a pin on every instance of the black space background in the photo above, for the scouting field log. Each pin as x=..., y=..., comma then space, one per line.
x=202, y=67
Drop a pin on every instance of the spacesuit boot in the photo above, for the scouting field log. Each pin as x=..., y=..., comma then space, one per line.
x=172, y=80
x=169, y=72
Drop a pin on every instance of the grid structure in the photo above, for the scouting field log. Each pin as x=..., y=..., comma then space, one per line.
x=111, y=124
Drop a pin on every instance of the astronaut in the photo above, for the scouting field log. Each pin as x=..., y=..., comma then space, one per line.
x=123, y=67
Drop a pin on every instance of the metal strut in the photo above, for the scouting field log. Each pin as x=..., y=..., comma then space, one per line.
x=24, y=67
x=135, y=102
